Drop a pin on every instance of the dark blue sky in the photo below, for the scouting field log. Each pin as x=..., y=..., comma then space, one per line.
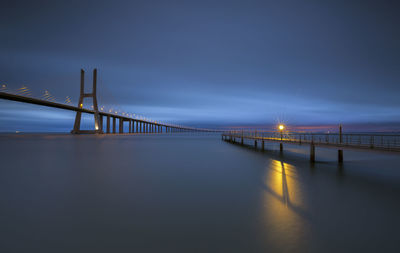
x=207, y=63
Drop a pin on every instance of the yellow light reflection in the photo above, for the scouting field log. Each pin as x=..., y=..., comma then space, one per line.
x=284, y=212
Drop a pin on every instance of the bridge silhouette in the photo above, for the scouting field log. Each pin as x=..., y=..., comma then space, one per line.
x=100, y=117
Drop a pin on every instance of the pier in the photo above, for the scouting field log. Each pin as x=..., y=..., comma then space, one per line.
x=339, y=141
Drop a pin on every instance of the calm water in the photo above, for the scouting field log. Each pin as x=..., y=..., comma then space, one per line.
x=185, y=193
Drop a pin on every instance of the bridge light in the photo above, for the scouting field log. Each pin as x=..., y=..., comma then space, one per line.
x=81, y=105
x=281, y=127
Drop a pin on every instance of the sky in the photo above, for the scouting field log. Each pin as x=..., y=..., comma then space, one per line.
x=206, y=63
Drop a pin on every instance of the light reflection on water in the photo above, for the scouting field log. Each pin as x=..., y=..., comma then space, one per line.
x=285, y=217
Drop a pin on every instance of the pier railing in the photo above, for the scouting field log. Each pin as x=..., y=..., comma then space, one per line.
x=381, y=141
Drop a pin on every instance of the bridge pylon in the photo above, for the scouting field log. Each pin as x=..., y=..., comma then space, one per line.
x=93, y=95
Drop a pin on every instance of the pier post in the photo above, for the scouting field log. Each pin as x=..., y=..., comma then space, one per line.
x=137, y=126
x=108, y=124
x=280, y=147
x=312, y=152
x=255, y=144
x=262, y=145
x=241, y=141
x=130, y=126
x=340, y=156
x=114, y=125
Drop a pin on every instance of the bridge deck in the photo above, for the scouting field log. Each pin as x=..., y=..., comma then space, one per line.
x=30, y=100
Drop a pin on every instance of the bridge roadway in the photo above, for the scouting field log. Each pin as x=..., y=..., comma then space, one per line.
x=388, y=142
x=142, y=126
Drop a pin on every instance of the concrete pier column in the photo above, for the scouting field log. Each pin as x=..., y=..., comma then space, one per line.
x=108, y=124
x=121, y=125
x=255, y=144
x=262, y=145
x=137, y=127
x=241, y=141
x=101, y=123
x=312, y=153
x=114, y=125
x=130, y=126
x=141, y=127
x=281, y=147
x=340, y=156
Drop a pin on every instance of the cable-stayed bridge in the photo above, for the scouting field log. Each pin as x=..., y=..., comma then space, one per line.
x=105, y=121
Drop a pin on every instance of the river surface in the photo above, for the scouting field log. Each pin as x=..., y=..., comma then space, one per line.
x=192, y=193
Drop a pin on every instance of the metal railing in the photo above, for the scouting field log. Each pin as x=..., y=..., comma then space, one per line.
x=383, y=141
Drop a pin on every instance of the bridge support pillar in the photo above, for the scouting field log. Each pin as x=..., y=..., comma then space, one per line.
x=255, y=144
x=77, y=124
x=340, y=156
x=130, y=126
x=312, y=153
x=108, y=124
x=101, y=123
x=281, y=147
x=137, y=126
x=114, y=125
x=262, y=145
x=121, y=125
